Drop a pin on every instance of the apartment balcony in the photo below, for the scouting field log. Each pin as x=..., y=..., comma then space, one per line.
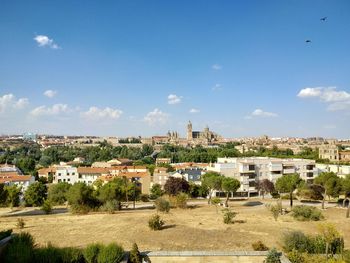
x=275, y=167
x=246, y=168
x=288, y=171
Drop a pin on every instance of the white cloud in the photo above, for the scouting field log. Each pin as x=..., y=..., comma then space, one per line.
x=45, y=41
x=50, y=93
x=194, y=110
x=156, y=117
x=174, y=99
x=216, y=67
x=217, y=87
x=337, y=100
x=56, y=109
x=261, y=113
x=106, y=113
x=21, y=103
x=9, y=101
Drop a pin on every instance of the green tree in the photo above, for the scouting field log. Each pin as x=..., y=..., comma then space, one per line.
x=35, y=194
x=346, y=190
x=331, y=184
x=80, y=196
x=3, y=195
x=212, y=181
x=13, y=194
x=229, y=185
x=110, y=191
x=57, y=193
x=287, y=184
x=156, y=191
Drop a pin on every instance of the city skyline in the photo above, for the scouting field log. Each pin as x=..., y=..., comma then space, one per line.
x=137, y=68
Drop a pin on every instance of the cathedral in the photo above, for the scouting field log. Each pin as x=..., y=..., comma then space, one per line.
x=205, y=136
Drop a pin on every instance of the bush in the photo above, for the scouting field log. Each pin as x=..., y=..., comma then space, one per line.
x=91, y=252
x=287, y=197
x=296, y=257
x=20, y=223
x=181, y=200
x=71, y=255
x=276, y=210
x=228, y=216
x=162, y=205
x=80, y=209
x=47, y=254
x=110, y=206
x=259, y=246
x=46, y=207
x=20, y=249
x=155, y=222
x=111, y=253
x=297, y=240
x=5, y=233
x=275, y=195
x=273, y=256
x=135, y=255
x=144, y=198
x=306, y=213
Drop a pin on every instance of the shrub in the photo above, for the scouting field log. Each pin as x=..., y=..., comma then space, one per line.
x=275, y=211
x=144, y=198
x=259, y=246
x=275, y=195
x=47, y=254
x=91, y=252
x=80, y=209
x=273, y=256
x=155, y=222
x=111, y=253
x=20, y=223
x=181, y=200
x=296, y=257
x=306, y=213
x=71, y=255
x=287, y=197
x=162, y=205
x=46, y=207
x=110, y=206
x=135, y=255
x=228, y=216
x=20, y=249
x=297, y=240
x=5, y=233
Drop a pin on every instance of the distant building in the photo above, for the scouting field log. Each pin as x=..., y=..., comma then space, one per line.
x=28, y=136
x=206, y=136
x=163, y=161
x=333, y=154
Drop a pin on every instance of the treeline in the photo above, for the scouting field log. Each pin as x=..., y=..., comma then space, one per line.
x=30, y=157
x=82, y=198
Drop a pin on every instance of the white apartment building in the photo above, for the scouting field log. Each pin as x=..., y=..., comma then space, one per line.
x=252, y=169
x=340, y=170
x=65, y=173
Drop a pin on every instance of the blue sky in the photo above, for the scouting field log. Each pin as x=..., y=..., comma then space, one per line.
x=124, y=68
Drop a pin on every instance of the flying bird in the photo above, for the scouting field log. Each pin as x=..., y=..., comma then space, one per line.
x=323, y=19
x=308, y=41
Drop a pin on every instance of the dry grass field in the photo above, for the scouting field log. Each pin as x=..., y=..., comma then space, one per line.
x=199, y=228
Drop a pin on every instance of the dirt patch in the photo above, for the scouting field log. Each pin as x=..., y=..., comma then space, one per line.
x=201, y=228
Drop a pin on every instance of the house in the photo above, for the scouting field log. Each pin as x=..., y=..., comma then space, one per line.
x=89, y=175
x=141, y=179
x=22, y=181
